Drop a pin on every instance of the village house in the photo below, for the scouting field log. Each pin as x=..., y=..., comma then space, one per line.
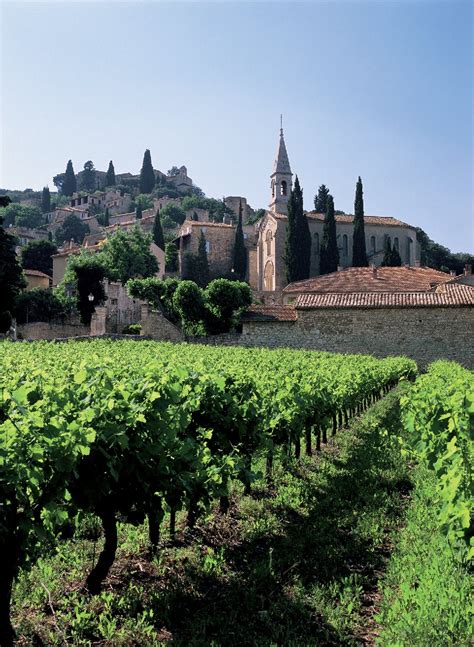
x=112, y=199
x=26, y=235
x=36, y=279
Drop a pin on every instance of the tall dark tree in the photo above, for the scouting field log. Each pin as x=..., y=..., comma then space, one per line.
x=147, y=174
x=45, y=200
x=138, y=211
x=298, y=238
x=69, y=185
x=359, y=253
x=391, y=257
x=11, y=278
x=171, y=258
x=321, y=199
x=88, y=177
x=110, y=175
x=329, y=253
x=240, y=253
x=38, y=255
x=158, y=237
x=72, y=229
x=202, y=262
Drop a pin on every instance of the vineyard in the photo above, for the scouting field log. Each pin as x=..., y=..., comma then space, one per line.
x=157, y=439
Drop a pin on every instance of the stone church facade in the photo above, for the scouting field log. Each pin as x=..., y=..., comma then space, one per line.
x=270, y=270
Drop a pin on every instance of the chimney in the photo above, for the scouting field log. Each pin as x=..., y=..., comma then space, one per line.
x=467, y=269
x=374, y=271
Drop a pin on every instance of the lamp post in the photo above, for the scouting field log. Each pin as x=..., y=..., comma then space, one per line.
x=90, y=297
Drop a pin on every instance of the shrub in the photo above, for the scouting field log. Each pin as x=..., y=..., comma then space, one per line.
x=132, y=329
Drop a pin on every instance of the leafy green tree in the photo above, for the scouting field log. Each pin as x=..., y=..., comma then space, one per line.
x=173, y=171
x=173, y=212
x=144, y=200
x=38, y=255
x=147, y=174
x=71, y=229
x=329, y=253
x=45, y=200
x=138, y=211
x=38, y=305
x=359, y=253
x=127, y=255
x=196, y=266
x=298, y=238
x=188, y=303
x=157, y=293
x=11, y=278
x=58, y=181
x=225, y=302
x=171, y=257
x=240, y=253
x=84, y=276
x=321, y=199
x=158, y=237
x=110, y=175
x=88, y=179
x=20, y=215
x=104, y=218
x=69, y=185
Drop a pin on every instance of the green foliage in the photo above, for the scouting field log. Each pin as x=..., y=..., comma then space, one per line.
x=138, y=211
x=110, y=175
x=69, y=183
x=171, y=257
x=132, y=329
x=174, y=213
x=19, y=215
x=298, y=238
x=321, y=199
x=38, y=305
x=240, y=253
x=329, y=252
x=156, y=292
x=188, y=304
x=255, y=217
x=45, y=200
x=391, y=257
x=72, y=229
x=103, y=218
x=225, y=302
x=88, y=177
x=84, y=276
x=11, y=277
x=158, y=237
x=217, y=208
x=440, y=257
x=359, y=254
x=144, y=200
x=127, y=255
x=438, y=415
x=147, y=174
x=37, y=255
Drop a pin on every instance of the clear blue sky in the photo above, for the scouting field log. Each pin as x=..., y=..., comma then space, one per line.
x=377, y=89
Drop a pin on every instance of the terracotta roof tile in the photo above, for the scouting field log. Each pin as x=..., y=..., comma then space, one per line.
x=364, y=279
x=36, y=273
x=270, y=313
x=455, y=295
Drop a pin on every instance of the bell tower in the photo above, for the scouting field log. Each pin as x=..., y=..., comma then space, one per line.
x=281, y=182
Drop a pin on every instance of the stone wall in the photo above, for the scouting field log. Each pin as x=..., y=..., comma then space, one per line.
x=425, y=334
x=157, y=327
x=44, y=330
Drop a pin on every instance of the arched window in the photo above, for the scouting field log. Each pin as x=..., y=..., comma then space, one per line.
x=316, y=244
x=344, y=245
x=372, y=244
x=268, y=277
x=395, y=243
x=268, y=240
x=283, y=187
x=273, y=188
x=409, y=251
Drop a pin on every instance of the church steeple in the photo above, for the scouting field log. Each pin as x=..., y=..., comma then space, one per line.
x=281, y=182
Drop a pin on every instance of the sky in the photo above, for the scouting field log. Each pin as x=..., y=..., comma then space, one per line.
x=383, y=90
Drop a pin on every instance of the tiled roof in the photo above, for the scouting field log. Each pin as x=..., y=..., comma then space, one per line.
x=77, y=250
x=196, y=223
x=364, y=279
x=456, y=295
x=270, y=313
x=36, y=273
x=349, y=218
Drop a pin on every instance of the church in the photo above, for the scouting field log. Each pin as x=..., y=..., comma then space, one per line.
x=271, y=233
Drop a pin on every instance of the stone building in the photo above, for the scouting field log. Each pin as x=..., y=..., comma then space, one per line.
x=271, y=269
x=36, y=279
x=112, y=199
x=26, y=235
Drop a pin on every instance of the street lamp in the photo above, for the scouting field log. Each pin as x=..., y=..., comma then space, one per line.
x=91, y=297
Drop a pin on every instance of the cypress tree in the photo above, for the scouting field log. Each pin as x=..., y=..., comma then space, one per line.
x=45, y=200
x=240, y=253
x=291, y=252
x=396, y=258
x=110, y=175
x=106, y=217
x=69, y=185
x=147, y=174
x=11, y=277
x=321, y=199
x=387, y=253
x=298, y=238
x=359, y=254
x=138, y=211
x=202, y=263
x=158, y=237
x=329, y=253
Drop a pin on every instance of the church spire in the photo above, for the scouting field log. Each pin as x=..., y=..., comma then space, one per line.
x=281, y=182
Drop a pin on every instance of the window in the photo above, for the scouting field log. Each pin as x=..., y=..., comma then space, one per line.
x=283, y=187
x=344, y=245
x=246, y=236
x=113, y=302
x=316, y=244
x=268, y=277
x=268, y=239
